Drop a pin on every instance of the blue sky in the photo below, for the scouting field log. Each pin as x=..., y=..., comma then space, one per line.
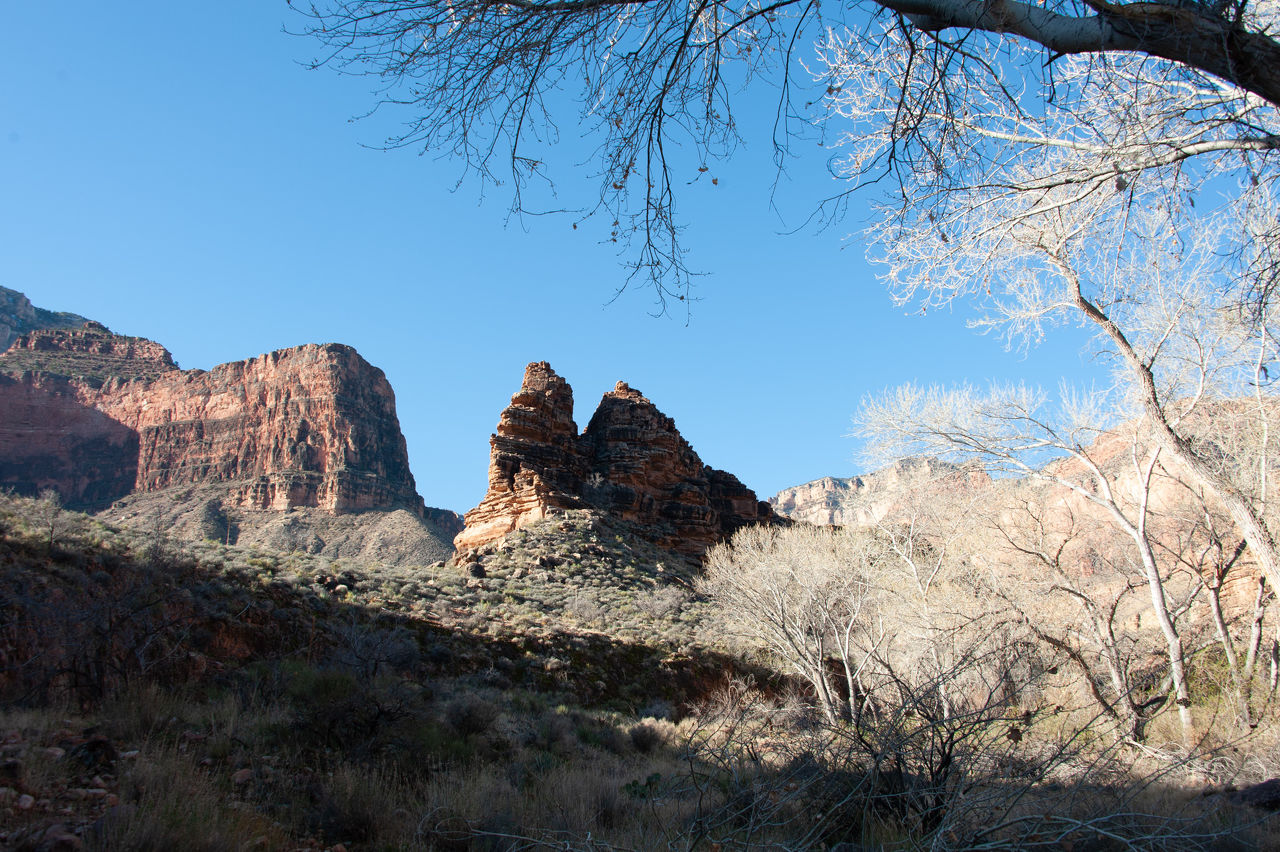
x=172, y=170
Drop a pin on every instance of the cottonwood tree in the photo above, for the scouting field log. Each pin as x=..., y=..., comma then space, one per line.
x=1195, y=535
x=912, y=672
x=1144, y=208
x=877, y=622
x=926, y=580
x=1073, y=585
x=655, y=85
x=1014, y=430
x=803, y=595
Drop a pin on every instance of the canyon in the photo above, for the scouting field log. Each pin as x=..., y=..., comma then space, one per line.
x=301, y=449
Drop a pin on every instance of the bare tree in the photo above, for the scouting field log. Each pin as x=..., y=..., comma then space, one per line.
x=1012, y=430
x=1110, y=212
x=655, y=84
x=874, y=620
x=48, y=509
x=803, y=595
x=1073, y=586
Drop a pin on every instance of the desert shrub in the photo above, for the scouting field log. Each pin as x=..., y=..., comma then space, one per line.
x=552, y=732
x=168, y=804
x=649, y=734
x=362, y=804
x=332, y=709
x=368, y=650
x=471, y=714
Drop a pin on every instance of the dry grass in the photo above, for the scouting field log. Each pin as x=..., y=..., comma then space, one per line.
x=304, y=716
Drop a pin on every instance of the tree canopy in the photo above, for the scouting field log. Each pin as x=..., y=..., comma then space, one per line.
x=488, y=81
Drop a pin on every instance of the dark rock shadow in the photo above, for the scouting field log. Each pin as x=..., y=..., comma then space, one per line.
x=50, y=439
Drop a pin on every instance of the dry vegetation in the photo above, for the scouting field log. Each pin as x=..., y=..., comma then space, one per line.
x=568, y=689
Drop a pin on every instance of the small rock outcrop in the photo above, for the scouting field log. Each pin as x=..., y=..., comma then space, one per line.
x=630, y=461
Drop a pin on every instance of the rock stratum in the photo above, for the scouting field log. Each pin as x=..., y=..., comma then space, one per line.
x=630, y=461
x=100, y=418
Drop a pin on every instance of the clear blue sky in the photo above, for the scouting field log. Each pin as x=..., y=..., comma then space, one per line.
x=171, y=170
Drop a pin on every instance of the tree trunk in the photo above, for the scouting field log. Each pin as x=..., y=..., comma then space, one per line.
x=1242, y=512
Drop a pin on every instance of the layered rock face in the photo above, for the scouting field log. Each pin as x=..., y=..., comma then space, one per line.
x=90, y=353
x=630, y=461
x=312, y=426
x=275, y=450
x=868, y=499
x=299, y=449
x=51, y=438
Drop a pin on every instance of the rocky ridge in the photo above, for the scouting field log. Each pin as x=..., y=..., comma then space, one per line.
x=100, y=417
x=630, y=462
x=868, y=499
x=18, y=316
x=90, y=353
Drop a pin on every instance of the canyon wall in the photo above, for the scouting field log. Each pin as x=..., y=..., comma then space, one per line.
x=107, y=420
x=96, y=416
x=868, y=499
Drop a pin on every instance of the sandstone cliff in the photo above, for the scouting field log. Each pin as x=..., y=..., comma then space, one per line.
x=99, y=417
x=630, y=461
x=868, y=499
x=90, y=353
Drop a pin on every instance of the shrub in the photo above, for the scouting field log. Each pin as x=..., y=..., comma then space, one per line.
x=647, y=735
x=471, y=714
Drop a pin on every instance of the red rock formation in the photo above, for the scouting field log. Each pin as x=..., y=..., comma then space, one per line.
x=90, y=353
x=630, y=461
x=534, y=465
x=50, y=439
x=311, y=426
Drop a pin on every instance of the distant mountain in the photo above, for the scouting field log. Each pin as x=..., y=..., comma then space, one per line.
x=312, y=430
x=867, y=499
x=18, y=315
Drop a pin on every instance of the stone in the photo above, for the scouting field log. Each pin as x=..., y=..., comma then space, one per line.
x=90, y=353
x=630, y=461
x=106, y=420
x=868, y=499
x=242, y=776
x=18, y=315
x=53, y=838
